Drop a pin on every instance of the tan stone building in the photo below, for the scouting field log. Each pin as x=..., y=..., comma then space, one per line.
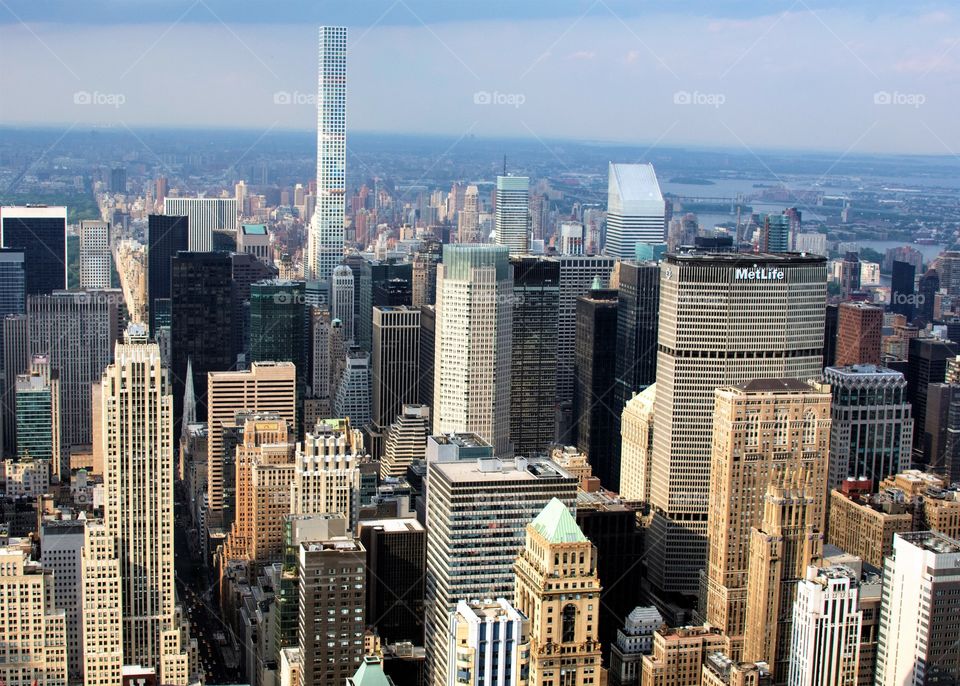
x=864, y=525
x=678, y=655
x=781, y=549
x=265, y=387
x=636, y=452
x=559, y=591
x=761, y=430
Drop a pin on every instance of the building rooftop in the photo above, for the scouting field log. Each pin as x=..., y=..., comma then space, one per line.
x=862, y=370
x=557, y=525
x=493, y=469
x=734, y=259
x=933, y=541
x=254, y=229
x=776, y=386
x=393, y=525
x=636, y=184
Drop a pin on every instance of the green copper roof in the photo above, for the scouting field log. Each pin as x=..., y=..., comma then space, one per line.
x=557, y=525
x=370, y=673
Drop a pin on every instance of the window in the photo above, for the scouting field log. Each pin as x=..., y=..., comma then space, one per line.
x=569, y=624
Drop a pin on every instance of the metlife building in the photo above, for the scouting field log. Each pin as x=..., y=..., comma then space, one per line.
x=725, y=319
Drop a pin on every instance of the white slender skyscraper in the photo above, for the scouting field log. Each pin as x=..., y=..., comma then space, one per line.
x=512, y=213
x=635, y=209
x=325, y=237
x=474, y=344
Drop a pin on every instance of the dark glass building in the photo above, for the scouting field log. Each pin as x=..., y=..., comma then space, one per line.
x=594, y=396
x=638, y=312
x=41, y=233
x=166, y=236
x=202, y=325
x=927, y=297
x=246, y=270
x=926, y=364
x=902, y=289
x=428, y=336
x=396, y=573
x=278, y=326
x=533, y=390
x=392, y=293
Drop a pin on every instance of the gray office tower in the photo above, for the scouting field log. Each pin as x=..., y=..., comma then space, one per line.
x=533, y=390
x=725, y=319
x=77, y=330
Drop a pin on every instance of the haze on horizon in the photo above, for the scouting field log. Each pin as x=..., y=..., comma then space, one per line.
x=852, y=77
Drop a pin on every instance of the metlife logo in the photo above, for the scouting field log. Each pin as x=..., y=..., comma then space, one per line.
x=757, y=273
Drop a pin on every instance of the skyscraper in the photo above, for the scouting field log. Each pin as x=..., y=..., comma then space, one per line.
x=775, y=236
x=725, y=319
x=16, y=361
x=94, y=254
x=427, y=358
x=827, y=621
x=326, y=234
x=556, y=556
x=920, y=611
x=473, y=344
x=278, y=325
x=396, y=563
x=342, y=300
x=760, y=430
x=205, y=216
x=265, y=387
x=33, y=629
x=41, y=233
x=352, y=396
x=394, y=362
x=638, y=313
x=871, y=434
x=781, y=548
x=927, y=364
x=327, y=476
x=12, y=285
x=77, y=330
x=166, y=236
x=577, y=276
x=136, y=439
x=512, y=213
x=903, y=298
x=488, y=642
x=594, y=400
x=636, y=447
x=36, y=414
x=202, y=323
x=859, y=331
x=467, y=501
x=331, y=624
x=406, y=441
x=533, y=390
x=635, y=209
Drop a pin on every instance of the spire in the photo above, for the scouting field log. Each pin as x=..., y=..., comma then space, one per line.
x=189, y=399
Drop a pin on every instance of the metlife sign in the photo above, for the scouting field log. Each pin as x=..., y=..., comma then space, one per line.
x=757, y=273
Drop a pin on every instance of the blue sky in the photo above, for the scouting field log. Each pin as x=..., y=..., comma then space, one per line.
x=850, y=77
